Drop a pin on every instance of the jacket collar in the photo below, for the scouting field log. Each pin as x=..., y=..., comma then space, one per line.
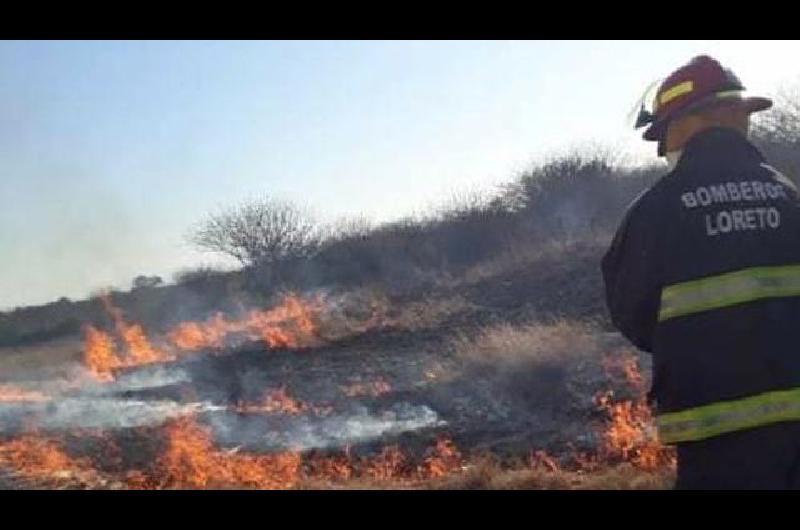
x=719, y=144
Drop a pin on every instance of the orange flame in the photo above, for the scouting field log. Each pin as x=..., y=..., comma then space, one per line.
x=334, y=468
x=275, y=402
x=196, y=336
x=289, y=325
x=139, y=349
x=36, y=458
x=630, y=434
x=443, y=459
x=191, y=461
x=99, y=353
x=99, y=349
x=389, y=464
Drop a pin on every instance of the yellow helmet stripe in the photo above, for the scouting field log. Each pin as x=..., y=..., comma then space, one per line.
x=678, y=90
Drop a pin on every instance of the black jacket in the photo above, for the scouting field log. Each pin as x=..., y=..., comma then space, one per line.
x=722, y=209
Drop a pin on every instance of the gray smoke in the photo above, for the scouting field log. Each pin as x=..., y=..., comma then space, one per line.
x=144, y=378
x=306, y=432
x=91, y=413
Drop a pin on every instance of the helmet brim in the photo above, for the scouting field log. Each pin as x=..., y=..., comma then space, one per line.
x=658, y=128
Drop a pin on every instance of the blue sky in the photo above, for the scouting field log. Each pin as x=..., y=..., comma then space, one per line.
x=109, y=151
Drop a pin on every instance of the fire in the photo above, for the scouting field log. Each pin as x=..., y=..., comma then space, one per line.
x=196, y=336
x=629, y=434
x=191, y=461
x=276, y=402
x=335, y=468
x=443, y=458
x=139, y=349
x=389, y=464
x=372, y=389
x=289, y=325
x=10, y=393
x=99, y=353
x=286, y=325
x=36, y=458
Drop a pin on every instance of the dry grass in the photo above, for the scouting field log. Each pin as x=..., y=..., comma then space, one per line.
x=557, y=341
x=362, y=310
x=525, y=254
x=488, y=475
x=427, y=313
x=52, y=359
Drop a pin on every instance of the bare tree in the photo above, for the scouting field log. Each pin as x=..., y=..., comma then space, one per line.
x=348, y=228
x=777, y=132
x=782, y=123
x=258, y=231
x=465, y=202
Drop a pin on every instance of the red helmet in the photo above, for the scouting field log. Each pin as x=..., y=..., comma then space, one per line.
x=700, y=83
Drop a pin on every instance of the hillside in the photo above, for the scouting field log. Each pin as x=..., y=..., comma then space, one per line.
x=467, y=349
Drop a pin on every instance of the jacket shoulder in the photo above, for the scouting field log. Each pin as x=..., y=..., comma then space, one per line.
x=644, y=202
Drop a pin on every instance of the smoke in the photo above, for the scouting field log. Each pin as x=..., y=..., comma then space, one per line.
x=306, y=432
x=146, y=378
x=211, y=385
x=93, y=413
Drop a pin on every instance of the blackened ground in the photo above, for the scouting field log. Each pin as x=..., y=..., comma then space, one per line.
x=507, y=410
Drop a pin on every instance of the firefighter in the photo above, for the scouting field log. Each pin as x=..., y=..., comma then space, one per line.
x=704, y=274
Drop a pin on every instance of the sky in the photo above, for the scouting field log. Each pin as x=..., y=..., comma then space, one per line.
x=111, y=150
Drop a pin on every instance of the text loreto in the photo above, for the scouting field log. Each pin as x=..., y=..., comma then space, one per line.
x=737, y=220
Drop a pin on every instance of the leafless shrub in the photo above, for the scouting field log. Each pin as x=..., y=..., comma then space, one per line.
x=259, y=231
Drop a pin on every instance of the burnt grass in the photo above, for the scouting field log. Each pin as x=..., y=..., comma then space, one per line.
x=486, y=407
x=505, y=409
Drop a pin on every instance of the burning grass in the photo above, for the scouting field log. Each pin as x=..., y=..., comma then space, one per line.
x=555, y=363
x=630, y=435
x=566, y=368
x=190, y=461
x=290, y=324
x=41, y=460
x=278, y=401
x=629, y=458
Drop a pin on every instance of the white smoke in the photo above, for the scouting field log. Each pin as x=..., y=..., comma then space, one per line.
x=95, y=413
x=306, y=432
x=143, y=379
